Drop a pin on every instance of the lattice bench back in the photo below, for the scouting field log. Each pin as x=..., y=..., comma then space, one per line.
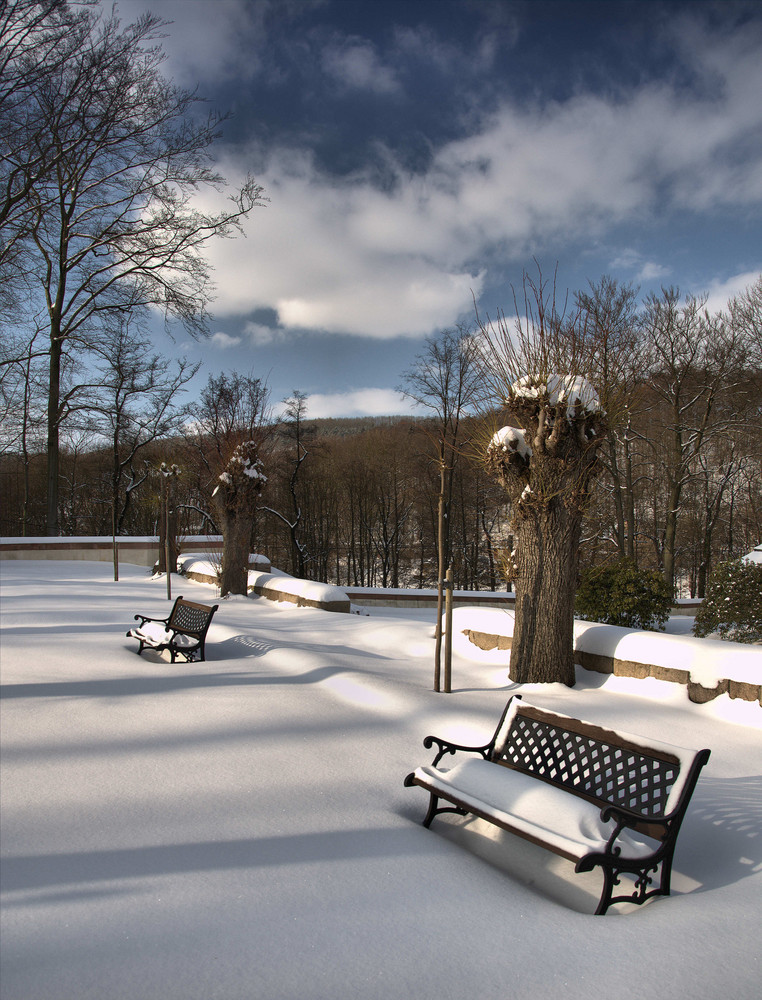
x=189, y=617
x=595, y=763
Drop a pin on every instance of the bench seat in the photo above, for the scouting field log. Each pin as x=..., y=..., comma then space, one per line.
x=570, y=826
x=158, y=637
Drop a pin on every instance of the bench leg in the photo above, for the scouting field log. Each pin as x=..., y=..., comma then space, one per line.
x=433, y=811
x=641, y=887
x=608, y=884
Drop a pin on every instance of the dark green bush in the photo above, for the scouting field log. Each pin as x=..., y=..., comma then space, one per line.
x=622, y=594
x=733, y=604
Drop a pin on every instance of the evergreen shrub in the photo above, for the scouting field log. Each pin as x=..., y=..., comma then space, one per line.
x=732, y=607
x=622, y=594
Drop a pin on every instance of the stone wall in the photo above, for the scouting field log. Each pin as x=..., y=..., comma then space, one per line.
x=629, y=668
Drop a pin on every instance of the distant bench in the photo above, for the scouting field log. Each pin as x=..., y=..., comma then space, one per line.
x=594, y=796
x=183, y=632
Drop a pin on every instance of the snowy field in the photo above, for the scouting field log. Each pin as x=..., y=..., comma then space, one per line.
x=238, y=829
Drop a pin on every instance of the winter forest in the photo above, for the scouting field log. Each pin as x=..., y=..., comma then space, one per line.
x=355, y=502
x=103, y=231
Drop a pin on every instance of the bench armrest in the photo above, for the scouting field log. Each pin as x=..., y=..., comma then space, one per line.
x=446, y=747
x=626, y=817
x=623, y=818
x=144, y=618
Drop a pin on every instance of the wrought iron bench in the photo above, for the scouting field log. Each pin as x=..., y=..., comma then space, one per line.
x=183, y=632
x=594, y=796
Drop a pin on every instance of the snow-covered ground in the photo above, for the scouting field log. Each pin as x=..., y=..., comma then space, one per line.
x=239, y=829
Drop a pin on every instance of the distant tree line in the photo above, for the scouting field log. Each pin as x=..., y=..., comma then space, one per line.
x=358, y=502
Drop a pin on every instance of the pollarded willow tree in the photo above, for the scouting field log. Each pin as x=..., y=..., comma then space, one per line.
x=236, y=496
x=541, y=375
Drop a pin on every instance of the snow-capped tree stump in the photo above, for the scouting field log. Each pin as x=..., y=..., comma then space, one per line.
x=546, y=464
x=235, y=497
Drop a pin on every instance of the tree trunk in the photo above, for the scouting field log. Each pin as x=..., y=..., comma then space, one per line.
x=630, y=500
x=617, y=492
x=441, y=557
x=546, y=547
x=54, y=418
x=670, y=533
x=236, y=533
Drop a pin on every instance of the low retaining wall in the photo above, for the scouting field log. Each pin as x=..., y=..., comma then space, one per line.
x=603, y=664
x=276, y=587
x=303, y=593
x=427, y=598
x=138, y=551
x=274, y=593
x=367, y=597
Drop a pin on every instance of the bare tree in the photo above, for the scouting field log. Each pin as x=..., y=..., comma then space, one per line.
x=231, y=409
x=546, y=460
x=293, y=424
x=21, y=421
x=745, y=315
x=117, y=224
x=608, y=312
x=444, y=379
x=695, y=361
x=136, y=402
x=36, y=38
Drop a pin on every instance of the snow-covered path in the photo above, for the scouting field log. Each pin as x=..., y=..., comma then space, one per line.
x=239, y=828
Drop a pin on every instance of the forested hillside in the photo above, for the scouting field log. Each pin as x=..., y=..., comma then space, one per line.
x=359, y=500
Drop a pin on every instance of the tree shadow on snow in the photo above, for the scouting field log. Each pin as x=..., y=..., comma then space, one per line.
x=117, y=687
x=34, y=872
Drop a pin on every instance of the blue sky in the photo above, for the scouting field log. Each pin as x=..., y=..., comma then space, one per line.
x=419, y=155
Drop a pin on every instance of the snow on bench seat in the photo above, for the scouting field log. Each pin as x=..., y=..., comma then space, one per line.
x=536, y=810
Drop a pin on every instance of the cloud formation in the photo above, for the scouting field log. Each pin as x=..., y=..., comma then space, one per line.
x=224, y=340
x=721, y=292
x=359, y=403
x=414, y=166
x=407, y=256
x=355, y=64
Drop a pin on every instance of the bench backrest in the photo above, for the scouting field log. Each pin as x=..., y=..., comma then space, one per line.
x=189, y=618
x=647, y=777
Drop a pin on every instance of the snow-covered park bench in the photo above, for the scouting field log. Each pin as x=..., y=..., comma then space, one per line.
x=183, y=632
x=594, y=796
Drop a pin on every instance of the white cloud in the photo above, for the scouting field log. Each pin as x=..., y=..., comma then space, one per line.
x=651, y=271
x=641, y=269
x=209, y=41
x=260, y=335
x=359, y=403
x=345, y=256
x=224, y=341
x=354, y=63
x=720, y=292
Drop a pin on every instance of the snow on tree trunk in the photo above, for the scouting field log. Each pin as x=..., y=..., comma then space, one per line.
x=235, y=498
x=547, y=466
